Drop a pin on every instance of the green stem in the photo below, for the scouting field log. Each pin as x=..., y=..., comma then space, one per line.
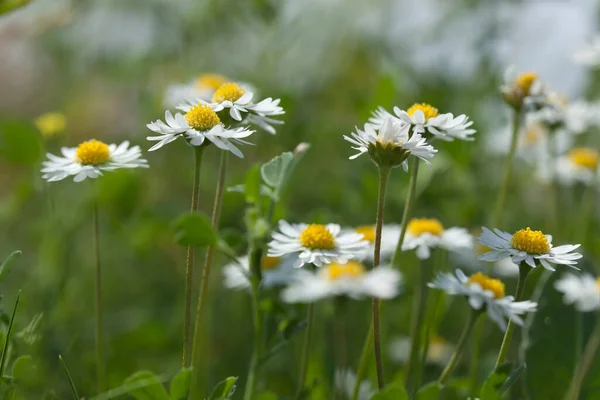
x=362, y=365
x=475, y=355
x=587, y=212
x=4, y=358
x=497, y=216
x=100, y=367
x=189, y=265
x=552, y=187
x=408, y=206
x=586, y=361
x=305, y=351
x=255, y=259
x=523, y=272
x=473, y=316
x=196, y=343
x=71, y=383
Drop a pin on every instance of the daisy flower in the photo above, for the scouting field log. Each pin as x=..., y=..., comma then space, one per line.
x=200, y=123
x=578, y=165
x=424, y=234
x=439, y=350
x=89, y=159
x=485, y=294
x=389, y=238
x=203, y=87
x=521, y=89
x=589, y=55
x=276, y=271
x=345, y=380
x=583, y=291
x=342, y=279
x=316, y=244
x=51, y=124
x=390, y=144
x=527, y=246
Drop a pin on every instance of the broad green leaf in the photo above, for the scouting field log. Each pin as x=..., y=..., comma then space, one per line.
x=430, y=391
x=194, y=229
x=252, y=185
x=267, y=396
x=24, y=370
x=180, y=384
x=142, y=385
x=5, y=267
x=275, y=171
x=11, y=5
x=491, y=387
x=224, y=389
x=391, y=392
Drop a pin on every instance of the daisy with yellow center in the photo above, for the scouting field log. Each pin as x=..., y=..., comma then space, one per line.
x=389, y=238
x=316, y=244
x=424, y=234
x=580, y=165
x=583, y=291
x=522, y=88
x=89, y=159
x=485, y=294
x=202, y=87
x=349, y=279
x=51, y=124
x=210, y=80
x=527, y=246
x=276, y=271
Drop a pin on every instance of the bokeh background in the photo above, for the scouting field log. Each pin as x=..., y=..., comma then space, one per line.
x=106, y=65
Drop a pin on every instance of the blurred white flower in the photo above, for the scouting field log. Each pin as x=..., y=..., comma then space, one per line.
x=589, y=54
x=389, y=239
x=345, y=380
x=578, y=165
x=316, y=244
x=89, y=159
x=583, y=291
x=203, y=87
x=342, y=279
x=439, y=350
x=425, y=234
x=522, y=89
x=486, y=294
x=276, y=271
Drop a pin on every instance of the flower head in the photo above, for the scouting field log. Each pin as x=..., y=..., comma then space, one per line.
x=276, y=271
x=345, y=380
x=202, y=87
x=89, y=159
x=578, y=165
x=528, y=246
x=485, y=294
x=439, y=350
x=51, y=124
x=521, y=88
x=583, y=291
x=389, y=238
x=424, y=234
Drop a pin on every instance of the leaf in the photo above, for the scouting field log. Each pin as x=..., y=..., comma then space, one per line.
x=7, y=341
x=512, y=378
x=11, y=5
x=24, y=369
x=71, y=383
x=267, y=396
x=430, y=391
x=491, y=386
x=275, y=171
x=224, y=389
x=194, y=229
x=5, y=267
x=252, y=185
x=391, y=392
x=180, y=384
x=142, y=385
x=20, y=143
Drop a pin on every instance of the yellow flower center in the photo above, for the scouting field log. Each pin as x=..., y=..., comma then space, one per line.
x=202, y=117
x=584, y=157
x=228, y=91
x=429, y=111
x=351, y=269
x=598, y=282
x=532, y=242
x=418, y=226
x=51, y=124
x=269, y=263
x=524, y=81
x=493, y=285
x=213, y=81
x=533, y=133
x=316, y=236
x=368, y=232
x=92, y=152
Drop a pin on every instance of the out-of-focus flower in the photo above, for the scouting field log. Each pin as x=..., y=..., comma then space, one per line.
x=555, y=111
x=316, y=244
x=589, y=55
x=485, y=294
x=89, y=159
x=342, y=279
x=521, y=89
x=345, y=380
x=51, y=124
x=424, y=234
x=527, y=246
x=578, y=165
x=439, y=350
x=583, y=291
x=276, y=271
x=203, y=87
x=389, y=238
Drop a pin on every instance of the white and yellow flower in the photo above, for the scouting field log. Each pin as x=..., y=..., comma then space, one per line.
x=316, y=244
x=425, y=234
x=527, y=246
x=342, y=279
x=203, y=87
x=439, y=350
x=589, y=54
x=389, y=238
x=89, y=159
x=578, y=165
x=345, y=380
x=485, y=294
x=276, y=271
x=522, y=89
x=583, y=291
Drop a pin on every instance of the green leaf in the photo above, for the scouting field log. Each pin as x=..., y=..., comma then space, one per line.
x=491, y=386
x=24, y=370
x=391, y=392
x=68, y=375
x=275, y=171
x=252, y=185
x=194, y=229
x=267, y=396
x=180, y=384
x=430, y=391
x=142, y=385
x=512, y=378
x=5, y=267
x=11, y=5
x=20, y=143
x=7, y=341
x=224, y=389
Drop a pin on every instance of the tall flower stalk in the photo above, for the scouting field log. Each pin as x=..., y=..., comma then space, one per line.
x=305, y=350
x=462, y=341
x=100, y=366
x=408, y=207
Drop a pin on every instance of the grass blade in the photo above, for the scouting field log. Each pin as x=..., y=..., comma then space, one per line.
x=10, y=325
x=71, y=383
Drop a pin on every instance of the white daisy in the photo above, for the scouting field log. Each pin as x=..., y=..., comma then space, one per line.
x=345, y=380
x=389, y=238
x=486, y=294
x=521, y=89
x=89, y=159
x=424, y=234
x=276, y=271
x=581, y=290
x=203, y=87
x=348, y=279
x=200, y=123
x=527, y=246
x=578, y=165
x=589, y=55
x=439, y=350
x=316, y=244
x=390, y=144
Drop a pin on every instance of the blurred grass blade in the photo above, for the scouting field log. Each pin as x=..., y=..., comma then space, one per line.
x=71, y=383
x=11, y=5
x=139, y=380
x=7, y=341
x=5, y=267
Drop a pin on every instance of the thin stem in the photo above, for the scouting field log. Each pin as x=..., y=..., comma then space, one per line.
x=7, y=338
x=523, y=272
x=255, y=259
x=100, y=367
x=71, y=383
x=196, y=356
x=189, y=265
x=497, y=216
x=305, y=351
x=408, y=206
x=362, y=365
x=473, y=316
x=586, y=361
x=475, y=355
x=552, y=187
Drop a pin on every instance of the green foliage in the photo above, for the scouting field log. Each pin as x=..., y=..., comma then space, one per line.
x=180, y=384
x=6, y=265
x=224, y=389
x=430, y=391
x=195, y=229
x=142, y=385
x=391, y=392
x=19, y=141
x=500, y=381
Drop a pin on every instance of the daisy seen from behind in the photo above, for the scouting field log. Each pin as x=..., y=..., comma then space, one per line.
x=582, y=291
x=202, y=87
x=90, y=159
x=522, y=89
x=424, y=234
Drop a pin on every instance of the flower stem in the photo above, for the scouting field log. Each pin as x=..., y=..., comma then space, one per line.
x=514, y=139
x=196, y=361
x=473, y=316
x=523, y=272
x=305, y=350
x=586, y=361
x=362, y=365
x=255, y=258
x=189, y=265
x=408, y=206
x=100, y=368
